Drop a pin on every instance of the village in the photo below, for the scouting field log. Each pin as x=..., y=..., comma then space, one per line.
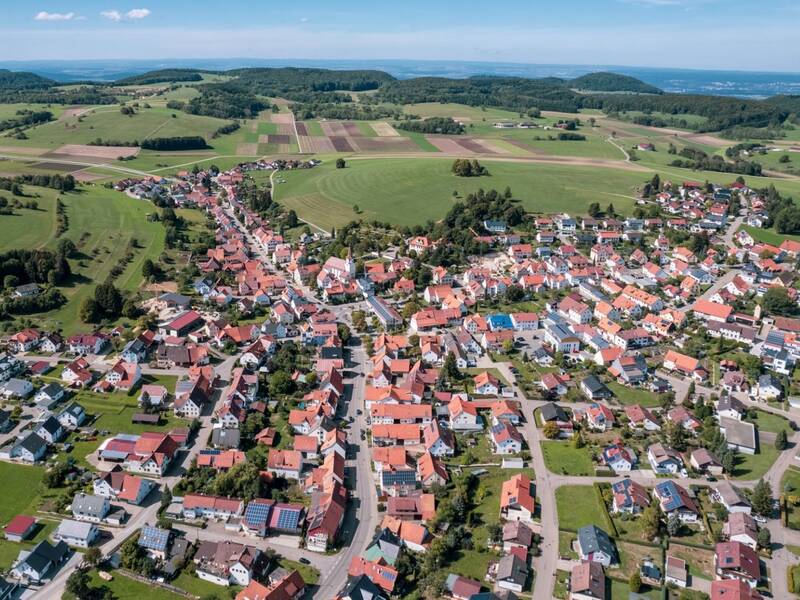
x=593, y=405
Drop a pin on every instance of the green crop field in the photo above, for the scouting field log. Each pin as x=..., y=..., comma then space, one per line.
x=109, y=220
x=9, y=111
x=460, y=112
x=409, y=191
x=109, y=124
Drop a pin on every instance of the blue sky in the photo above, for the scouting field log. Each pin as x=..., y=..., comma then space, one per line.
x=713, y=34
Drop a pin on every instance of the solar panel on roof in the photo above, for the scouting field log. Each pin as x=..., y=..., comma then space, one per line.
x=288, y=519
x=257, y=513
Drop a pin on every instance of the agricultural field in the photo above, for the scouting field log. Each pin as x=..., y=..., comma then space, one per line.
x=410, y=191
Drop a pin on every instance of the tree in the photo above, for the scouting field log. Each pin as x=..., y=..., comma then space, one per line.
x=130, y=310
x=450, y=368
x=344, y=332
x=108, y=299
x=89, y=311
x=761, y=499
x=673, y=524
x=291, y=219
x=340, y=163
x=781, y=443
x=610, y=210
x=10, y=281
x=578, y=441
x=78, y=584
x=495, y=531
x=776, y=301
x=594, y=209
x=551, y=431
x=93, y=556
x=651, y=520
x=635, y=582
x=508, y=346
x=280, y=383
x=764, y=538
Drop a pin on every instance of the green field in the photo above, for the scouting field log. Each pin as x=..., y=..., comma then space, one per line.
x=578, y=505
x=108, y=123
x=627, y=396
x=563, y=459
x=20, y=496
x=125, y=588
x=769, y=236
x=410, y=191
x=755, y=466
x=110, y=221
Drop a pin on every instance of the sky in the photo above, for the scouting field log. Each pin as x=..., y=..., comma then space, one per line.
x=757, y=35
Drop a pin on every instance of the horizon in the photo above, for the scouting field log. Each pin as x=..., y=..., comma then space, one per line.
x=633, y=33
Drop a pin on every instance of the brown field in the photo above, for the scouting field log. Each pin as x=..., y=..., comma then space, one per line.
x=247, y=149
x=448, y=145
x=333, y=128
x=384, y=130
x=86, y=176
x=386, y=144
x=108, y=152
x=285, y=129
x=278, y=139
x=340, y=143
x=316, y=144
x=352, y=129
x=57, y=166
x=472, y=146
x=524, y=146
x=165, y=286
x=285, y=118
x=301, y=129
x=72, y=112
x=23, y=150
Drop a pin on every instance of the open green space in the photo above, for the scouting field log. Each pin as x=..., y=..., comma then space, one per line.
x=409, y=191
x=628, y=396
x=21, y=485
x=108, y=123
x=199, y=587
x=773, y=423
x=790, y=487
x=755, y=466
x=125, y=588
x=102, y=223
x=578, y=505
x=769, y=236
x=309, y=573
x=562, y=458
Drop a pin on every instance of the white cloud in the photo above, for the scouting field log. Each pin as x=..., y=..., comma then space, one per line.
x=48, y=16
x=138, y=13
x=112, y=15
x=304, y=20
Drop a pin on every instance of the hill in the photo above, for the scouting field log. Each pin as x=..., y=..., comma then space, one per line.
x=612, y=82
x=163, y=76
x=20, y=80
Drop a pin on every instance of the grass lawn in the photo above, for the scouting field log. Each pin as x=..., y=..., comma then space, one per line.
x=102, y=223
x=194, y=585
x=631, y=556
x=755, y=466
x=791, y=482
x=630, y=529
x=114, y=412
x=620, y=590
x=699, y=562
x=770, y=422
x=409, y=191
x=565, y=540
x=578, y=505
x=21, y=490
x=627, y=396
x=125, y=588
x=562, y=458
x=9, y=551
x=309, y=573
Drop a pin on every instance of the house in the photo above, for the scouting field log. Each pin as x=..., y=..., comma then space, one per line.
x=618, y=457
x=734, y=560
x=17, y=388
x=629, y=497
x=486, y=384
x=461, y=588
x=599, y=417
x=587, y=582
x=438, y=440
x=36, y=564
x=358, y=588
x=506, y=439
x=686, y=365
x=712, y=311
x=512, y=573
x=594, y=389
x=740, y=435
x=664, y=460
x=86, y=507
x=517, y=499
x=152, y=395
x=731, y=498
x=733, y=589
x=202, y=506
x=116, y=484
x=50, y=430
x=76, y=533
x=640, y=417
x=463, y=415
x=517, y=534
x=674, y=499
x=19, y=528
x=285, y=463
x=227, y=563
x=769, y=388
x=741, y=527
x=595, y=545
x=282, y=586
x=675, y=571
x=50, y=394
x=30, y=449
x=703, y=461
x=72, y=416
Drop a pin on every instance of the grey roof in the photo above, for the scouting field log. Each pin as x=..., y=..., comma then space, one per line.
x=74, y=409
x=227, y=438
x=175, y=298
x=75, y=529
x=33, y=443
x=740, y=433
x=96, y=506
x=594, y=385
x=362, y=588
x=17, y=386
x=52, y=390
x=50, y=425
x=154, y=538
x=43, y=555
x=593, y=539
x=511, y=567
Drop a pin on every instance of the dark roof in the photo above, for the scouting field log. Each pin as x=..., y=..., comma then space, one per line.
x=362, y=588
x=593, y=539
x=44, y=554
x=553, y=412
x=33, y=443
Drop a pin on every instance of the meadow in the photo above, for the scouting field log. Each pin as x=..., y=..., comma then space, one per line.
x=410, y=191
x=102, y=223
